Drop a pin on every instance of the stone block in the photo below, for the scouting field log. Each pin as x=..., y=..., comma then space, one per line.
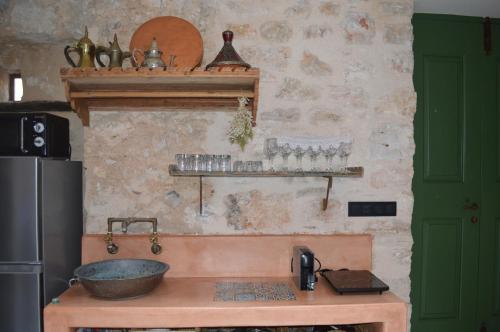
x=329, y=8
x=359, y=28
x=398, y=34
x=317, y=31
x=270, y=58
x=387, y=142
x=294, y=89
x=242, y=30
x=276, y=31
x=404, y=9
x=282, y=115
x=300, y=8
x=324, y=117
x=402, y=62
x=312, y=65
x=348, y=96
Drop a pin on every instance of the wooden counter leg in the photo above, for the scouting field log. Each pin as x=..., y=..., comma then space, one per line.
x=52, y=322
x=397, y=324
x=57, y=328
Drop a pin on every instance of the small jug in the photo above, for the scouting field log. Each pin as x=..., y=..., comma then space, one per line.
x=113, y=52
x=152, y=57
x=85, y=49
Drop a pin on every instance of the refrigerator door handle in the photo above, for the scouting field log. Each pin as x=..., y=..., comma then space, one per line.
x=20, y=267
x=23, y=149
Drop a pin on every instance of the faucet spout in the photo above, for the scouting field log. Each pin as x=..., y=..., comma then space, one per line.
x=112, y=248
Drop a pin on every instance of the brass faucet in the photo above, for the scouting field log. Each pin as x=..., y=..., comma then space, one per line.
x=153, y=238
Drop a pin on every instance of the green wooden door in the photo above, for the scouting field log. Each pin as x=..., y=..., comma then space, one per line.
x=455, y=226
x=489, y=258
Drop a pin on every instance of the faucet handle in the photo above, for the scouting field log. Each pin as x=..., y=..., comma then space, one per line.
x=110, y=247
x=155, y=246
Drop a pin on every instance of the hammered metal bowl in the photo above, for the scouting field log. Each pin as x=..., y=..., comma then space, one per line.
x=117, y=279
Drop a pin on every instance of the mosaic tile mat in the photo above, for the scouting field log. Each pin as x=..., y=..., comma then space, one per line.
x=253, y=291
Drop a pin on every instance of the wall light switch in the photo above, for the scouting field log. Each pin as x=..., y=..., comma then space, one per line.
x=372, y=209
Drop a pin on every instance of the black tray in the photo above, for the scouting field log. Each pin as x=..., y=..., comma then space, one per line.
x=354, y=281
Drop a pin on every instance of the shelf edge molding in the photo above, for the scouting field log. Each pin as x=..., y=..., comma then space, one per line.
x=159, y=89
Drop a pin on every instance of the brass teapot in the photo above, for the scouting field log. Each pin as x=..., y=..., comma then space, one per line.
x=152, y=57
x=85, y=49
x=113, y=52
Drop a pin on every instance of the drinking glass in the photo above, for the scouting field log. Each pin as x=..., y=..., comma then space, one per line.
x=285, y=150
x=344, y=152
x=257, y=166
x=271, y=150
x=225, y=163
x=298, y=152
x=209, y=161
x=313, y=156
x=249, y=166
x=181, y=160
x=238, y=166
x=197, y=162
x=329, y=153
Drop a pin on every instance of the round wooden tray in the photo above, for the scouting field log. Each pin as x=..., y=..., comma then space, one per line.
x=175, y=36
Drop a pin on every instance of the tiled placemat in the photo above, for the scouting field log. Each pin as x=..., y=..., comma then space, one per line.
x=253, y=291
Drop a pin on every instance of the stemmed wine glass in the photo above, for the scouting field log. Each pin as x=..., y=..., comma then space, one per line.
x=329, y=153
x=344, y=151
x=271, y=150
x=285, y=151
x=313, y=155
x=298, y=152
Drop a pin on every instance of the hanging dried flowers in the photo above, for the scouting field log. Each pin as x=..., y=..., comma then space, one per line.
x=240, y=130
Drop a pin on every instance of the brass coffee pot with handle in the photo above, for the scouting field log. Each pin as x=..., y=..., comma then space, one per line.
x=113, y=52
x=86, y=51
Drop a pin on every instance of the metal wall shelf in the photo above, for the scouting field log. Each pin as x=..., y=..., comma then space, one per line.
x=350, y=172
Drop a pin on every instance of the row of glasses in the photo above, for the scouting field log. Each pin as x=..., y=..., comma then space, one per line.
x=248, y=166
x=341, y=149
x=203, y=162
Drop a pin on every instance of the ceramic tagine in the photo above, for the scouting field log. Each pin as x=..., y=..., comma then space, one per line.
x=228, y=57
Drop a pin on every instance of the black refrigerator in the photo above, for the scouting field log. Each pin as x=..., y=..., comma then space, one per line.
x=40, y=236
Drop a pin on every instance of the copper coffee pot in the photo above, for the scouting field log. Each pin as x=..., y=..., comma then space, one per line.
x=85, y=49
x=113, y=52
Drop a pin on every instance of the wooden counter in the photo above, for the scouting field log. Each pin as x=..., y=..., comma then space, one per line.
x=189, y=302
x=185, y=298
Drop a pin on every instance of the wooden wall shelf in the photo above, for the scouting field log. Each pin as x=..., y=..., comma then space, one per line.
x=350, y=172
x=176, y=88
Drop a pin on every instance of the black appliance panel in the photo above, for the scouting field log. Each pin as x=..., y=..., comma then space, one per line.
x=19, y=195
x=34, y=134
x=354, y=281
x=303, y=268
x=20, y=313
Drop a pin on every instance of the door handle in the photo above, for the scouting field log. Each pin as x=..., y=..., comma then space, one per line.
x=21, y=133
x=472, y=207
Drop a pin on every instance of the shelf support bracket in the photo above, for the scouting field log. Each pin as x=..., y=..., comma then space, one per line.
x=328, y=188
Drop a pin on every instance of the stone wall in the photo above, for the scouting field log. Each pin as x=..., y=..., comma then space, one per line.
x=329, y=68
